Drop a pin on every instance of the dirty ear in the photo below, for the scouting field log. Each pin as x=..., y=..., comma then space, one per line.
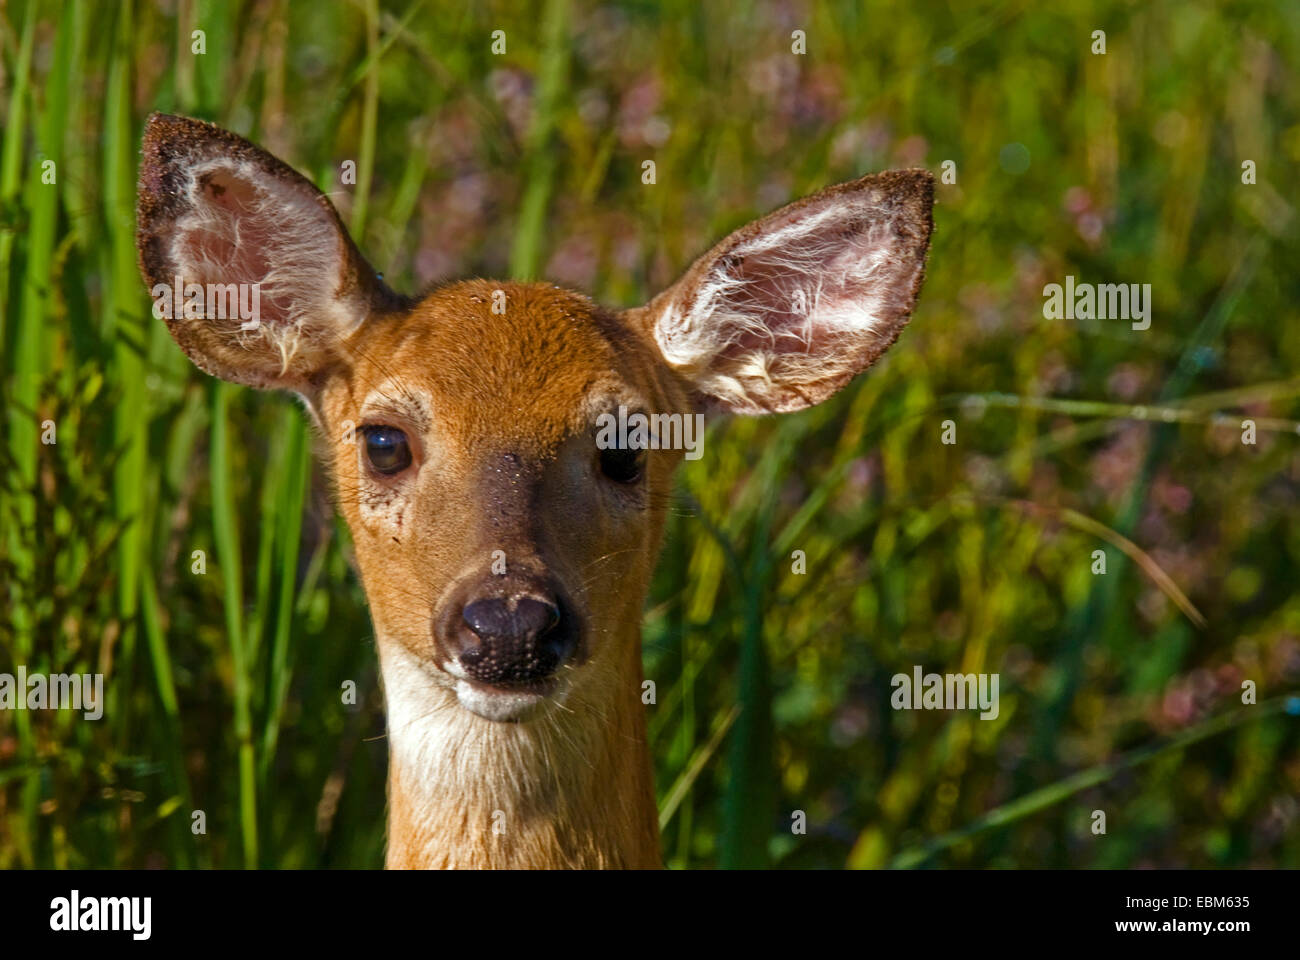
x=785, y=311
x=280, y=285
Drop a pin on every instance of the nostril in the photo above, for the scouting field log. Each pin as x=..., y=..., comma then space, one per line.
x=513, y=641
x=522, y=620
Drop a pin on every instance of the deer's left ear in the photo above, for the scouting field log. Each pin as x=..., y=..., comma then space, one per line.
x=785, y=311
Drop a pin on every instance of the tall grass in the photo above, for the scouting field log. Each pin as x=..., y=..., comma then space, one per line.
x=177, y=538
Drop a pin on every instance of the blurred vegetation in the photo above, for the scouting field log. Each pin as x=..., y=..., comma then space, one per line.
x=1072, y=436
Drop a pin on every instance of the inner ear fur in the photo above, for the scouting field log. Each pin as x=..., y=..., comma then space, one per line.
x=785, y=311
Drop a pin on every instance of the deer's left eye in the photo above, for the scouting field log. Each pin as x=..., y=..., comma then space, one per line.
x=387, y=449
x=625, y=466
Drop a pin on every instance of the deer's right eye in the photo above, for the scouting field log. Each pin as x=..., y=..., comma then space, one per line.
x=387, y=449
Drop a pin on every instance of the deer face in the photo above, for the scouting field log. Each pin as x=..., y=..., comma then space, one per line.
x=496, y=538
x=504, y=539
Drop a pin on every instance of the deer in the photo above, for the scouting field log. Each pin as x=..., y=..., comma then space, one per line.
x=506, y=556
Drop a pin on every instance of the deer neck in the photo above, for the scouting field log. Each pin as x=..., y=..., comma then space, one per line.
x=571, y=789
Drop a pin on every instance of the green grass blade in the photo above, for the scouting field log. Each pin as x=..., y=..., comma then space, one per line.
x=226, y=534
x=540, y=160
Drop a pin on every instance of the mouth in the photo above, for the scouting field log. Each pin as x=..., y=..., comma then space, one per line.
x=513, y=703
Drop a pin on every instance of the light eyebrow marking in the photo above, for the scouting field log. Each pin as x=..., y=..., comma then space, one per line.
x=605, y=397
x=403, y=402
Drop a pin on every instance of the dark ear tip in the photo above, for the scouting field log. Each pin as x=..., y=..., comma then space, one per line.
x=162, y=128
x=159, y=126
x=914, y=184
x=160, y=131
x=909, y=191
x=922, y=179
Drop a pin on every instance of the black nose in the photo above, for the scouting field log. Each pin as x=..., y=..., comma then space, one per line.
x=515, y=640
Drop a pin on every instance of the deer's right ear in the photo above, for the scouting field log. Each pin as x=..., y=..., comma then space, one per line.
x=216, y=211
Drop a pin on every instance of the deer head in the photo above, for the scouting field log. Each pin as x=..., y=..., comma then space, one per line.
x=504, y=545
